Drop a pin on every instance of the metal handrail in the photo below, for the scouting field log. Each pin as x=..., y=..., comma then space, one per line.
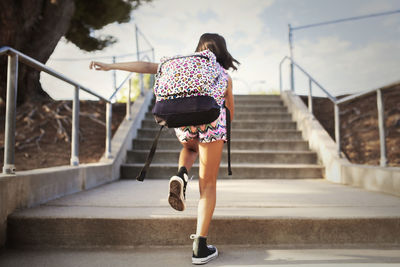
x=14, y=57
x=41, y=67
x=337, y=102
x=146, y=57
x=128, y=103
x=354, y=96
x=128, y=77
x=116, y=89
x=332, y=98
x=137, y=32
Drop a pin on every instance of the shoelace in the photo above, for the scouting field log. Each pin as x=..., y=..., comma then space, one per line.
x=193, y=236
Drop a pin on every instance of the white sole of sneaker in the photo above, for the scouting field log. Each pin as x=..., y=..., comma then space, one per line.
x=176, y=198
x=199, y=261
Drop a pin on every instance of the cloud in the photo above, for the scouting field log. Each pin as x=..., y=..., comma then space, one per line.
x=238, y=21
x=237, y=35
x=256, y=34
x=376, y=6
x=207, y=15
x=343, y=69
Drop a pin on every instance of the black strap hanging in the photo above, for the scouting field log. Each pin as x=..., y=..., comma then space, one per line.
x=146, y=166
x=228, y=135
x=143, y=172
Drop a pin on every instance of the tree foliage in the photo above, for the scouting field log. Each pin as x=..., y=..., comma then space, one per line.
x=92, y=15
x=34, y=27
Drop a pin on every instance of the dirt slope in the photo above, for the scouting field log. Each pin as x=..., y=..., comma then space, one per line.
x=359, y=125
x=44, y=132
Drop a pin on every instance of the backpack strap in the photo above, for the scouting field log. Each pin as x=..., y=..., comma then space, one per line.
x=142, y=174
x=146, y=166
x=228, y=135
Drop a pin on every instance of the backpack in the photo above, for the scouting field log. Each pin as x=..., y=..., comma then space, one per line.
x=185, y=89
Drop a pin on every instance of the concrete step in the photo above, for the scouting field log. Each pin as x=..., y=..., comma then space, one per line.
x=239, y=170
x=259, y=109
x=257, y=97
x=229, y=255
x=248, y=116
x=267, y=102
x=237, y=156
x=291, y=213
x=236, y=134
x=278, y=145
x=242, y=124
x=262, y=116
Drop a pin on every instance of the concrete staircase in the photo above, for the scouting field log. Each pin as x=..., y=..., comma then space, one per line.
x=265, y=144
x=276, y=197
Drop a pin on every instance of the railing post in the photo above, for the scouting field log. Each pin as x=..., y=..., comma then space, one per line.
x=152, y=80
x=381, y=120
x=280, y=77
x=9, y=137
x=137, y=42
x=138, y=59
x=291, y=77
x=141, y=84
x=337, y=129
x=108, y=129
x=310, y=102
x=128, y=102
x=291, y=59
x=109, y=116
x=114, y=73
x=75, y=129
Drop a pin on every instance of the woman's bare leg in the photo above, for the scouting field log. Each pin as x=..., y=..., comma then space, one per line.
x=189, y=154
x=210, y=158
x=178, y=182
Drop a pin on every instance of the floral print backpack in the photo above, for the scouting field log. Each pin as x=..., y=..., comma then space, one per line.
x=189, y=91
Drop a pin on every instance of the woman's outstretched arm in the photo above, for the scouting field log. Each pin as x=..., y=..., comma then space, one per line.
x=134, y=66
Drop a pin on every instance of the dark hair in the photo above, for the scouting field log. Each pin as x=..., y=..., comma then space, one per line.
x=216, y=44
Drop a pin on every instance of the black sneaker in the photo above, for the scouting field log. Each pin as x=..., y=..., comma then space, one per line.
x=202, y=253
x=177, y=189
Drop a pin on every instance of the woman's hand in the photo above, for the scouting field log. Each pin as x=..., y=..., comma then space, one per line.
x=99, y=66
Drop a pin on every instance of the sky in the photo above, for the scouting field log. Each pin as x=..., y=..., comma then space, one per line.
x=344, y=58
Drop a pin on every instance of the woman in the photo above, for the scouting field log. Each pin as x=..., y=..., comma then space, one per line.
x=205, y=141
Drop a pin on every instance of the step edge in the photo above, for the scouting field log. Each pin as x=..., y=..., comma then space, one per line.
x=235, y=151
x=236, y=165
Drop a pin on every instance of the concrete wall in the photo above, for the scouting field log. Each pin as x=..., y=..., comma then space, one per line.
x=26, y=189
x=339, y=169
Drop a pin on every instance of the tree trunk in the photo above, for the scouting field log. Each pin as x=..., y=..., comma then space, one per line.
x=34, y=28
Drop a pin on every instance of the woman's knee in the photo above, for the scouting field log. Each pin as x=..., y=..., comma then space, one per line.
x=208, y=181
x=191, y=146
x=207, y=186
x=193, y=149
